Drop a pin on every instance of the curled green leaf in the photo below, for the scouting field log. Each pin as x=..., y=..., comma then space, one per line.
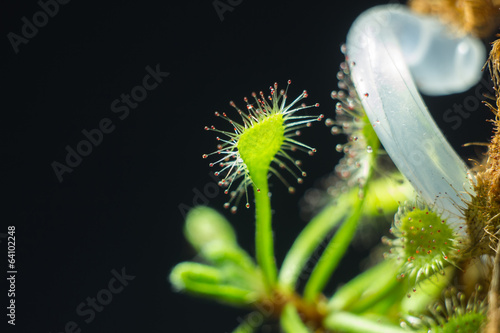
x=204, y=225
x=210, y=282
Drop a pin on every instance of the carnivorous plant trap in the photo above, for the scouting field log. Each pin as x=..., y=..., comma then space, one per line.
x=440, y=271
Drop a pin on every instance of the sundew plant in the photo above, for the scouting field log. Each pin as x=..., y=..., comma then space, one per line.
x=439, y=268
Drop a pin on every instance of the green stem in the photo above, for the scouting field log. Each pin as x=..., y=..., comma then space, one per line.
x=388, y=288
x=333, y=253
x=246, y=327
x=264, y=244
x=311, y=237
x=355, y=291
x=291, y=322
x=338, y=245
x=349, y=323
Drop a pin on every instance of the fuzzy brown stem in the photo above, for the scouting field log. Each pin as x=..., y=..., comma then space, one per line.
x=494, y=311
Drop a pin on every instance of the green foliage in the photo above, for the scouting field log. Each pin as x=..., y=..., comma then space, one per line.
x=425, y=243
x=393, y=293
x=259, y=144
x=205, y=226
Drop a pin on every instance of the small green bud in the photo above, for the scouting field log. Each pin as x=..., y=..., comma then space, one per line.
x=385, y=194
x=456, y=315
x=210, y=282
x=425, y=243
x=204, y=226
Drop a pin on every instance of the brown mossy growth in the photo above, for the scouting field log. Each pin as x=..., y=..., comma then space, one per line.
x=494, y=65
x=479, y=217
x=312, y=314
x=483, y=211
x=477, y=17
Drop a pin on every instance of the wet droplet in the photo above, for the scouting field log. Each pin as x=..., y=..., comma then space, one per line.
x=369, y=149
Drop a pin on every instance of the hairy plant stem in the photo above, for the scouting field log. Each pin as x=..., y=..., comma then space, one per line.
x=494, y=310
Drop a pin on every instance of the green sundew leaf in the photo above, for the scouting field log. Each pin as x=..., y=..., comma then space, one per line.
x=259, y=143
x=291, y=322
x=209, y=281
x=385, y=194
x=388, y=306
x=350, y=323
x=222, y=254
x=212, y=235
x=205, y=225
x=426, y=292
x=469, y=322
x=378, y=292
x=239, y=269
x=185, y=272
x=367, y=286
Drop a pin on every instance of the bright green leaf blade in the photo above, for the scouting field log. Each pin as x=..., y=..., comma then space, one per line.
x=222, y=254
x=212, y=235
x=291, y=322
x=245, y=327
x=370, y=284
x=388, y=305
x=209, y=282
x=237, y=266
x=426, y=292
x=350, y=323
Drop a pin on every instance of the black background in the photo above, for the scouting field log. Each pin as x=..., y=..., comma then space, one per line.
x=120, y=207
